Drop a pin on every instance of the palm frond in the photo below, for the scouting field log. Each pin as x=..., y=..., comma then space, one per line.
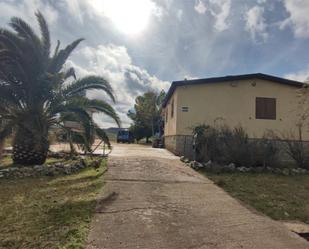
x=10, y=40
x=33, y=50
x=83, y=119
x=89, y=83
x=70, y=73
x=61, y=57
x=103, y=136
x=25, y=31
x=45, y=39
x=97, y=106
x=56, y=49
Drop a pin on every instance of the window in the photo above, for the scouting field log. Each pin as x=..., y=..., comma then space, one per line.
x=166, y=115
x=172, y=111
x=185, y=109
x=265, y=108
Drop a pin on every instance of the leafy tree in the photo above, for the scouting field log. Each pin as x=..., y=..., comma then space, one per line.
x=146, y=115
x=34, y=95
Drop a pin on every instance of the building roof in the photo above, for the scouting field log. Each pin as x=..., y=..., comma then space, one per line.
x=261, y=76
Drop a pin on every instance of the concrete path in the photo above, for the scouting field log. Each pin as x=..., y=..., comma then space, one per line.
x=151, y=201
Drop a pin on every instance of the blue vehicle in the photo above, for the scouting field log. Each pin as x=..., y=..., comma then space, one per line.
x=125, y=136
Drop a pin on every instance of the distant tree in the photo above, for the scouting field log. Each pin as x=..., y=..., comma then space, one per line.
x=146, y=115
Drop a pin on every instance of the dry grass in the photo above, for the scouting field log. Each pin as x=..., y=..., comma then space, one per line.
x=48, y=212
x=280, y=197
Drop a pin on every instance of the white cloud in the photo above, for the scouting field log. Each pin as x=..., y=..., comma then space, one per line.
x=219, y=9
x=299, y=18
x=223, y=13
x=200, y=7
x=75, y=9
x=255, y=23
x=128, y=80
x=302, y=75
x=179, y=14
x=26, y=10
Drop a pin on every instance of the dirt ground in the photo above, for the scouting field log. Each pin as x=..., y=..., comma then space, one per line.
x=151, y=200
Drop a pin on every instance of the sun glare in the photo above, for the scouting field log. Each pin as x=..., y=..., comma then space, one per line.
x=129, y=16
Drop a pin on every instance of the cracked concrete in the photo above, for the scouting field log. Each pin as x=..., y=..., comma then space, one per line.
x=151, y=200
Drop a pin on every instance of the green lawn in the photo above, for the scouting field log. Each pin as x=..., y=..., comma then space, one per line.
x=48, y=212
x=280, y=197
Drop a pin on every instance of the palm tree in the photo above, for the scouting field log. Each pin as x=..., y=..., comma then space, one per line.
x=35, y=95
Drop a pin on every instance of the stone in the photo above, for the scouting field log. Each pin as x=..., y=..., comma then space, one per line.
x=286, y=172
x=294, y=172
x=207, y=166
x=186, y=160
x=182, y=158
x=230, y=168
x=302, y=171
x=277, y=171
x=243, y=169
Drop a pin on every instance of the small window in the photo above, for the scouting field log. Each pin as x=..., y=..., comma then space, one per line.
x=172, y=111
x=185, y=109
x=265, y=108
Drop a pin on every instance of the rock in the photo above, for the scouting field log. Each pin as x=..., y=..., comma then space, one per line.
x=286, y=172
x=37, y=167
x=231, y=165
x=193, y=165
x=243, y=169
x=59, y=165
x=207, y=166
x=186, y=160
x=199, y=165
x=277, y=171
x=230, y=168
x=294, y=172
x=182, y=158
x=302, y=171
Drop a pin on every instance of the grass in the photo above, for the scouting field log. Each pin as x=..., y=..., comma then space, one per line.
x=48, y=212
x=280, y=197
x=6, y=161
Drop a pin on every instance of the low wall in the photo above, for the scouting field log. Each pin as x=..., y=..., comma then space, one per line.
x=182, y=145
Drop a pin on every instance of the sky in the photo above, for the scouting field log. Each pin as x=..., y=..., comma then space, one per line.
x=142, y=45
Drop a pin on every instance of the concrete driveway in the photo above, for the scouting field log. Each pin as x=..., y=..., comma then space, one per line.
x=151, y=200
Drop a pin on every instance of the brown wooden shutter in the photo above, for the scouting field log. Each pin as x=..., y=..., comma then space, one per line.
x=265, y=108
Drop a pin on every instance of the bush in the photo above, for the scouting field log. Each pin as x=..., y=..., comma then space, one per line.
x=265, y=150
x=297, y=149
x=224, y=145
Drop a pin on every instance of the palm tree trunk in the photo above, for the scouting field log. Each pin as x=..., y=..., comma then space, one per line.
x=29, y=148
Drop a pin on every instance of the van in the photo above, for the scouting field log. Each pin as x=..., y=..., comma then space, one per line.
x=125, y=136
